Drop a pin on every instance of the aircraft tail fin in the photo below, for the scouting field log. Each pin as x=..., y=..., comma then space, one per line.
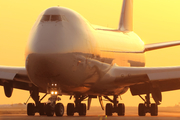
x=126, y=19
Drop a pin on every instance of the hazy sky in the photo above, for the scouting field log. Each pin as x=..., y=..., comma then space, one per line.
x=154, y=21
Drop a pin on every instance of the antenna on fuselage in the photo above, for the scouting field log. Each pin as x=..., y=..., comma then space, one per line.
x=126, y=19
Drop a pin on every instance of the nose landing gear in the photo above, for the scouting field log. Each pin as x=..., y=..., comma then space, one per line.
x=52, y=107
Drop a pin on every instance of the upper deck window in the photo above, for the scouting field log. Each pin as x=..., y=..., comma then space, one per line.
x=56, y=18
x=45, y=18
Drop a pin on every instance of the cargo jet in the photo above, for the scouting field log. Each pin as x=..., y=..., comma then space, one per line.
x=66, y=55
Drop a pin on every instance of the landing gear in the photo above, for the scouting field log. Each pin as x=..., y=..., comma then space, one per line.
x=31, y=109
x=154, y=109
x=117, y=107
x=82, y=109
x=42, y=107
x=141, y=109
x=77, y=107
x=147, y=107
x=59, y=109
x=70, y=109
x=45, y=109
x=121, y=109
x=49, y=110
x=109, y=109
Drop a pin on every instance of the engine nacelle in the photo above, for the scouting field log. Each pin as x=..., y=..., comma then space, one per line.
x=8, y=89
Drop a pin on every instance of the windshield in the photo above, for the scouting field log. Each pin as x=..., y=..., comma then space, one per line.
x=51, y=18
x=55, y=18
x=45, y=18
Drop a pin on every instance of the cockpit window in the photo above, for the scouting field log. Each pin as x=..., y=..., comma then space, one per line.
x=56, y=18
x=53, y=18
x=45, y=18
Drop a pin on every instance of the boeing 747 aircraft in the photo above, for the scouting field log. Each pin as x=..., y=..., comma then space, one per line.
x=66, y=55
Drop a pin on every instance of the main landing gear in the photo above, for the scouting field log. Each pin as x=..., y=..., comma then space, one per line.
x=45, y=109
x=114, y=107
x=42, y=108
x=77, y=106
x=147, y=107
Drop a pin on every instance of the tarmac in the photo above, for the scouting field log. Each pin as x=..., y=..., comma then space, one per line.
x=37, y=117
x=165, y=113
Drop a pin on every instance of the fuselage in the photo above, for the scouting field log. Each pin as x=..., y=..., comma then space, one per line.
x=64, y=48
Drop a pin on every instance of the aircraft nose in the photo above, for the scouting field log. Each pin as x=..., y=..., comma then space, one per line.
x=63, y=36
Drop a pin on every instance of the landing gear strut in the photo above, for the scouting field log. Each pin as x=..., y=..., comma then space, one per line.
x=117, y=107
x=147, y=107
x=77, y=107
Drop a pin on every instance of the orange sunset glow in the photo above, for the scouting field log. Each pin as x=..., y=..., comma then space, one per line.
x=153, y=20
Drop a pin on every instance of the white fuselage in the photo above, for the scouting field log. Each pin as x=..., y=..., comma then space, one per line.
x=70, y=52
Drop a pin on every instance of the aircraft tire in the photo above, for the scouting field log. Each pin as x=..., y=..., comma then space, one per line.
x=42, y=109
x=82, y=109
x=154, y=109
x=70, y=109
x=121, y=109
x=59, y=109
x=109, y=109
x=30, y=109
x=49, y=110
x=141, y=109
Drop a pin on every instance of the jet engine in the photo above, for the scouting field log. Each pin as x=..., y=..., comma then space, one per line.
x=8, y=89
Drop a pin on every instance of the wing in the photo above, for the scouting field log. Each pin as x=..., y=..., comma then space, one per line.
x=143, y=80
x=148, y=47
x=15, y=75
x=155, y=46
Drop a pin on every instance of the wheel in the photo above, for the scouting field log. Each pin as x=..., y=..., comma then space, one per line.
x=49, y=110
x=70, y=109
x=141, y=109
x=30, y=109
x=82, y=109
x=109, y=109
x=120, y=109
x=42, y=108
x=154, y=109
x=59, y=109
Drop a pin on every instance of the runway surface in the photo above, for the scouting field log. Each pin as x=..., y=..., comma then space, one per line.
x=25, y=117
x=95, y=113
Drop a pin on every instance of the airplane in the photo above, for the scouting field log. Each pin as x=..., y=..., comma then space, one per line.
x=66, y=55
